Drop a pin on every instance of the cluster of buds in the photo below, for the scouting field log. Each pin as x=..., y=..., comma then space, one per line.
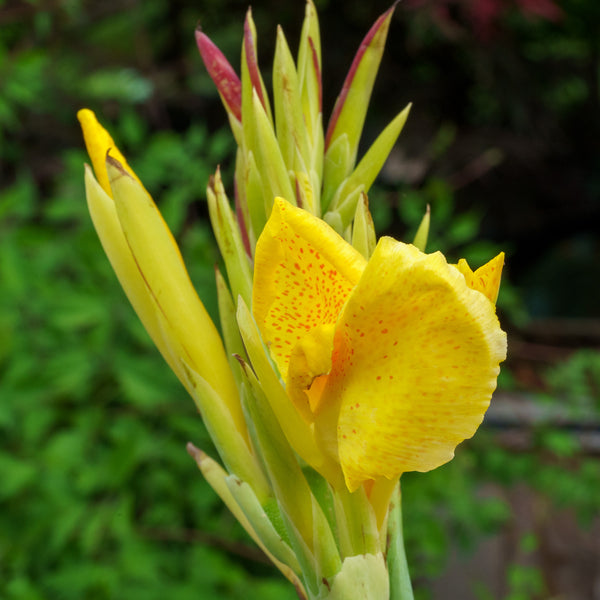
x=342, y=362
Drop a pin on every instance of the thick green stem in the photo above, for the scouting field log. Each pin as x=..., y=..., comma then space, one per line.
x=400, y=585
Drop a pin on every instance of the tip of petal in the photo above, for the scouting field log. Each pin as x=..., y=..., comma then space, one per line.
x=486, y=279
x=100, y=145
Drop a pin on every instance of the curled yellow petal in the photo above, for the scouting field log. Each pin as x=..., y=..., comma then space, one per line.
x=415, y=360
x=486, y=279
x=310, y=363
x=303, y=274
x=99, y=144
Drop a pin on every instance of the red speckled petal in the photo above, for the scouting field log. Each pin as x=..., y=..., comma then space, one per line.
x=415, y=361
x=303, y=274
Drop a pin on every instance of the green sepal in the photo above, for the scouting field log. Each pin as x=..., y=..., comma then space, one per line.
x=346, y=211
x=285, y=475
x=309, y=65
x=422, y=234
x=322, y=492
x=307, y=560
x=289, y=121
x=363, y=228
x=255, y=199
x=308, y=531
x=335, y=164
x=229, y=329
x=326, y=551
x=296, y=430
x=357, y=523
x=236, y=129
x=271, y=508
x=334, y=220
x=242, y=192
x=305, y=192
x=216, y=477
x=309, y=76
x=229, y=239
x=269, y=160
x=246, y=498
x=232, y=447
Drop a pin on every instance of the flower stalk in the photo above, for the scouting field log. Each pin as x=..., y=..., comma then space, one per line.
x=343, y=361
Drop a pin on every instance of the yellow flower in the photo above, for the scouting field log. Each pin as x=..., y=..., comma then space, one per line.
x=393, y=360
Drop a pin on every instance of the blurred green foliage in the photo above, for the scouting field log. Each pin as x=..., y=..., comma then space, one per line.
x=98, y=498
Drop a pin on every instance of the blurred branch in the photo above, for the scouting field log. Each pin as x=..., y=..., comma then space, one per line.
x=476, y=168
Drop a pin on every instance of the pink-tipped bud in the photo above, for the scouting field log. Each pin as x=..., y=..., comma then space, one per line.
x=222, y=73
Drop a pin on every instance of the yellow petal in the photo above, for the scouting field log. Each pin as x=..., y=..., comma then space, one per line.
x=297, y=431
x=303, y=274
x=486, y=279
x=161, y=266
x=415, y=361
x=100, y=144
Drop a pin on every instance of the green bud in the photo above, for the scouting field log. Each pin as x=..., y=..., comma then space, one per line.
x=363, y=229
x=309, y=76
x=422, y=234
x=362, y=577
x=231, y=334
x=229, y=239
x=335, y=165
x=269, y=160
x=233, y=449
x=368, y=168
x=291, y=130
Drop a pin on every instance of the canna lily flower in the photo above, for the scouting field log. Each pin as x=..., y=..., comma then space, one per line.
x=392, y=360
x=362, y=360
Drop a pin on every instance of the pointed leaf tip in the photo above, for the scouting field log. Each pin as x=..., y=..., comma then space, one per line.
x=422, y=234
